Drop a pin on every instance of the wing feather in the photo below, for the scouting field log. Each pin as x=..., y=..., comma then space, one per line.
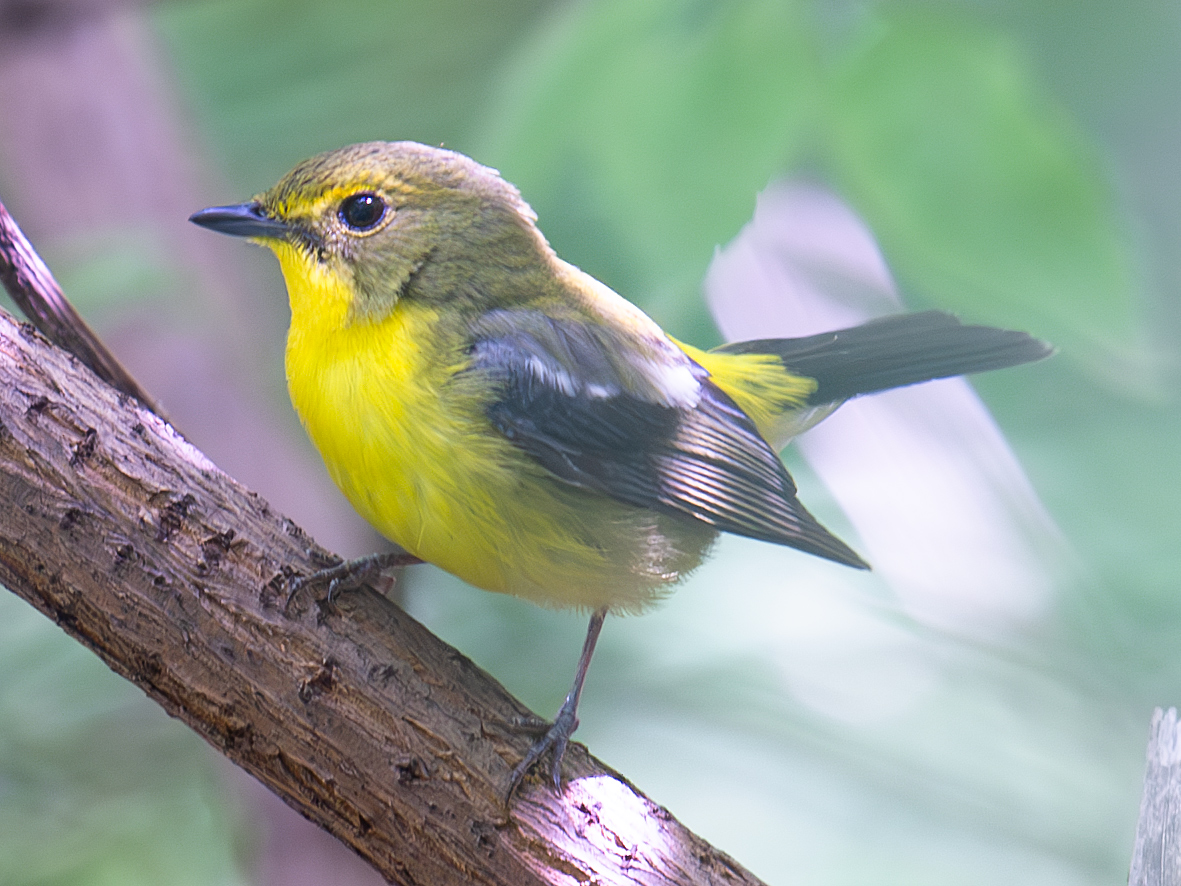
x=893, y=351
x=597, y=422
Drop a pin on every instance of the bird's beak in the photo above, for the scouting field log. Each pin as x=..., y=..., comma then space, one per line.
x=240, y=220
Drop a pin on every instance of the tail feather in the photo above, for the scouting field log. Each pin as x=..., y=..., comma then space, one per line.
x=890, y=352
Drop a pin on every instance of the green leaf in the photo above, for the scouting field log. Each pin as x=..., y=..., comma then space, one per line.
x=641, y=132
x=276, y=81
x=985, y=197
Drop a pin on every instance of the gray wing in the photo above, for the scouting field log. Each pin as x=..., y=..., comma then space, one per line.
x=598, y=423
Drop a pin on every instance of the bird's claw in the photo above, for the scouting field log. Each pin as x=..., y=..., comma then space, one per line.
x=556, y=739
x=531, y=724
x=348, y=575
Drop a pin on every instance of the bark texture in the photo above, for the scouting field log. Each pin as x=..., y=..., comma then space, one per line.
x=129, y=538
x=1156, y=856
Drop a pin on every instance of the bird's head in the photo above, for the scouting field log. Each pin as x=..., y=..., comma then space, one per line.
x=360, y=228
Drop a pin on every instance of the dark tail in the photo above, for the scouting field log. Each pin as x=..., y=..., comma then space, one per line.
x=903, y=349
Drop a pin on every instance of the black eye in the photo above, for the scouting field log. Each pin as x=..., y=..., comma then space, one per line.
x=362, y=211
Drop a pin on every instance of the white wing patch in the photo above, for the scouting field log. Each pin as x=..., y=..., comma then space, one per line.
x=553, y=375
x=557, y=377
x=601, y=392
x=675, y=382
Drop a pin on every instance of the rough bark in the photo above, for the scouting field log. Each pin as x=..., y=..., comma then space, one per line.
x=35, y=291
x=131, y=540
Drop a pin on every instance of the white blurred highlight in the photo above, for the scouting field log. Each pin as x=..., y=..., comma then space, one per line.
x=620, y=836
x=943, y=510
x=835, y=650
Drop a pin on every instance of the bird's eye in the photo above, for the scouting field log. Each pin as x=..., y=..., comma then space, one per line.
x=362, y=211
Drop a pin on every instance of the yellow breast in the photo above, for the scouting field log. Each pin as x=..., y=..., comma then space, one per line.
x=369, y=399
x=415, y=455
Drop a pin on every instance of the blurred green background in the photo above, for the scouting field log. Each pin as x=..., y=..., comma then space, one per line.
x=1017, y=162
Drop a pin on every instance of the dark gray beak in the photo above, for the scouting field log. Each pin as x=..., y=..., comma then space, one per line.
x=240, y=220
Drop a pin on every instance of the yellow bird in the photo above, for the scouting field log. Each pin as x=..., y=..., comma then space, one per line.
x=495, y=411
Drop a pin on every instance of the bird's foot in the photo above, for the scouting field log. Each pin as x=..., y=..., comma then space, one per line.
x=349, y=574
x=530, y=724
x=555, y=739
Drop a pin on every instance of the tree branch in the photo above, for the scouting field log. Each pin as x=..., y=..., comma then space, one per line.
x=130, y=539
x=36, y=292
x=1156, y=856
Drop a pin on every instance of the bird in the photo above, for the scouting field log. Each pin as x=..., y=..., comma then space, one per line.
x=495, y=411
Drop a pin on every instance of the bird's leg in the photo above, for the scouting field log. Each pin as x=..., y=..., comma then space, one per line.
x=558, y=735
x=349, y=574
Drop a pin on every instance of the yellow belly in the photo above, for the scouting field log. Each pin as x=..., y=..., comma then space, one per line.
x=412, y=450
